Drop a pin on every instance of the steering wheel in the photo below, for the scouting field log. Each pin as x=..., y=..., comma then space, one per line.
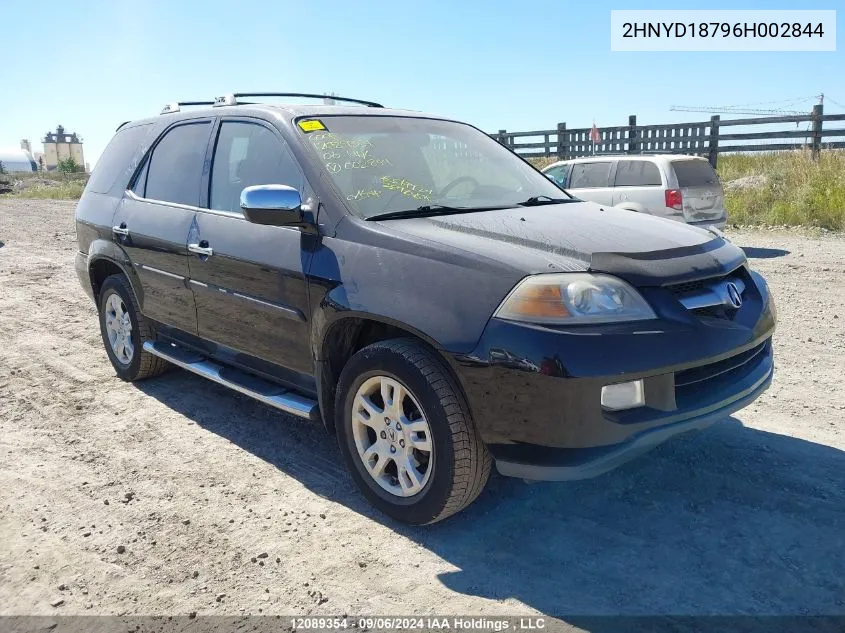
x=458, y=181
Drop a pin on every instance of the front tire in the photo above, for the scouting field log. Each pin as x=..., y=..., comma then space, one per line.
x=406, y=433
x=124, y=330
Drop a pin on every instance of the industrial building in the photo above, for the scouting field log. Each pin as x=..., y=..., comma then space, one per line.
x=60, y=145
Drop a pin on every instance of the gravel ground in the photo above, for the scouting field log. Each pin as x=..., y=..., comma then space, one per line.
x=175, y=495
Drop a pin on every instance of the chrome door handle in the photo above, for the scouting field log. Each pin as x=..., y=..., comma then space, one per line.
x=120, y=230
x=201, y=249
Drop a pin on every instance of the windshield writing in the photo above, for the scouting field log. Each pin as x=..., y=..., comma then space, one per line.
x=390, y=164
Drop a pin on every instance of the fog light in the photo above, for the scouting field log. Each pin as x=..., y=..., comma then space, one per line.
x=625, y=395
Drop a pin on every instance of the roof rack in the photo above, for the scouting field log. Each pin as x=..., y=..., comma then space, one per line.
x=232, y=99
x=169, y=108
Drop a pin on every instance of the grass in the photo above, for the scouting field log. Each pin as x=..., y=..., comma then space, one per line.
x=541, y=162
x=796, y=190
x=46, y=185
x=791, y=188
x=61, y=191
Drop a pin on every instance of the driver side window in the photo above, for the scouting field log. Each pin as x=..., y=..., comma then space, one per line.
x=557, y=175
x=447, y=156
x=248, y=154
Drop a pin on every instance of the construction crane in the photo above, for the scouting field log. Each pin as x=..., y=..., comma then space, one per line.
x=730, y=110
x=747, y=110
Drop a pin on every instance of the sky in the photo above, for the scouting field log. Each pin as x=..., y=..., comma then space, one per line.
x=92, y=64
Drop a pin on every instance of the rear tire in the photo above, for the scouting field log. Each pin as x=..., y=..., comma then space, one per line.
x=124, y=330
x=431, y=465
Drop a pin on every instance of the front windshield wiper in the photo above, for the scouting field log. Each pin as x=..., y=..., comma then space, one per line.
x=430, y=210
x=536, y=201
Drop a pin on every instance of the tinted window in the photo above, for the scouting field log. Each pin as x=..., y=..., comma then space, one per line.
x=637, y=173
x=175, y=168
x=557, y=174
x=248, y=154
x=119, y=158
x=590, y=175
x=694, y=173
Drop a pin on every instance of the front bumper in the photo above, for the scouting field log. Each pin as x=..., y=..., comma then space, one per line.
x=535, y=392
x=531, y=463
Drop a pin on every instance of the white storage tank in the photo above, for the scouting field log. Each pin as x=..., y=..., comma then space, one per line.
x=16, y=160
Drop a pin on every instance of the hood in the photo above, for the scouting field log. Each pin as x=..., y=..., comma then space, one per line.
x=582, y=236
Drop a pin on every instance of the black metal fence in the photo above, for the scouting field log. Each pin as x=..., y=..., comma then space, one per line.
x=702, y=138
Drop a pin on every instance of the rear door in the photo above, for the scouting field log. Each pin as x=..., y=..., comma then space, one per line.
x=155, y=216
x=638, y=185
x=592, y=181
x=248, y=279
x=703, y=197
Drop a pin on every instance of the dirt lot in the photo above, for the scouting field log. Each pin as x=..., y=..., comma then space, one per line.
x=175, y=495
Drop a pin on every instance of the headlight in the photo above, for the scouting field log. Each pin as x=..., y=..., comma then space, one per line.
x=574, y=298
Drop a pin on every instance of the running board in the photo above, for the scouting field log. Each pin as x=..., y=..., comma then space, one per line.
x=262, y=390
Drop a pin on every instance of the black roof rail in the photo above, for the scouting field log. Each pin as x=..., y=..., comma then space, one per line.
x=175, y=107
x=232, y=99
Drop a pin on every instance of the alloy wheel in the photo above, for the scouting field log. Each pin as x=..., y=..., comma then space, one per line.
x=392, y=436
x=119, y=329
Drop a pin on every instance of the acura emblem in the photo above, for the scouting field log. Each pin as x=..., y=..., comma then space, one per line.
x=733, y=295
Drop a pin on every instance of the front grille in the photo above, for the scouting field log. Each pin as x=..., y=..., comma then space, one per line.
x=719, y=368
x=686, y=287
x=715, y=312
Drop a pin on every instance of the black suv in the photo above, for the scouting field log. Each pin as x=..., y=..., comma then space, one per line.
x=431, y=297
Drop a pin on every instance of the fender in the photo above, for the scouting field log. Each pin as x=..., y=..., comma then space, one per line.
x=331, y=317
x=101, y=249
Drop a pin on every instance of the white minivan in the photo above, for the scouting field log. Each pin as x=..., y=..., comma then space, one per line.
x=678, y=187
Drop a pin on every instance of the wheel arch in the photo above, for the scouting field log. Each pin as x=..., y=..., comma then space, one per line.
x=353, y=331
x=102, y=265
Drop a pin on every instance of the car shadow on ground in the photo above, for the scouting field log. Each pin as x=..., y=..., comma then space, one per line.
x=731, y=520
x=1, y=244
x=756, y=252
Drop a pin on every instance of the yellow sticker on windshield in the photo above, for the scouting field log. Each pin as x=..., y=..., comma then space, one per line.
x=311, y=126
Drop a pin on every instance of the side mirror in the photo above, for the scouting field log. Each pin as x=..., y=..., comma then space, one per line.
x=273, y=205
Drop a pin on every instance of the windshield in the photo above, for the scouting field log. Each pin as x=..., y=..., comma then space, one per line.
x=388, y=165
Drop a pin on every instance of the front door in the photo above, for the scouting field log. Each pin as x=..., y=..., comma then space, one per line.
x=248, y=279
x=153, y=220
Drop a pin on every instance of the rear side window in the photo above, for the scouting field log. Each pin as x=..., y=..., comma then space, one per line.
x=117, y=162
x=590, y=175
x=248, y=154
x=175, y=168
x=694, y=173
x=637, y=173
